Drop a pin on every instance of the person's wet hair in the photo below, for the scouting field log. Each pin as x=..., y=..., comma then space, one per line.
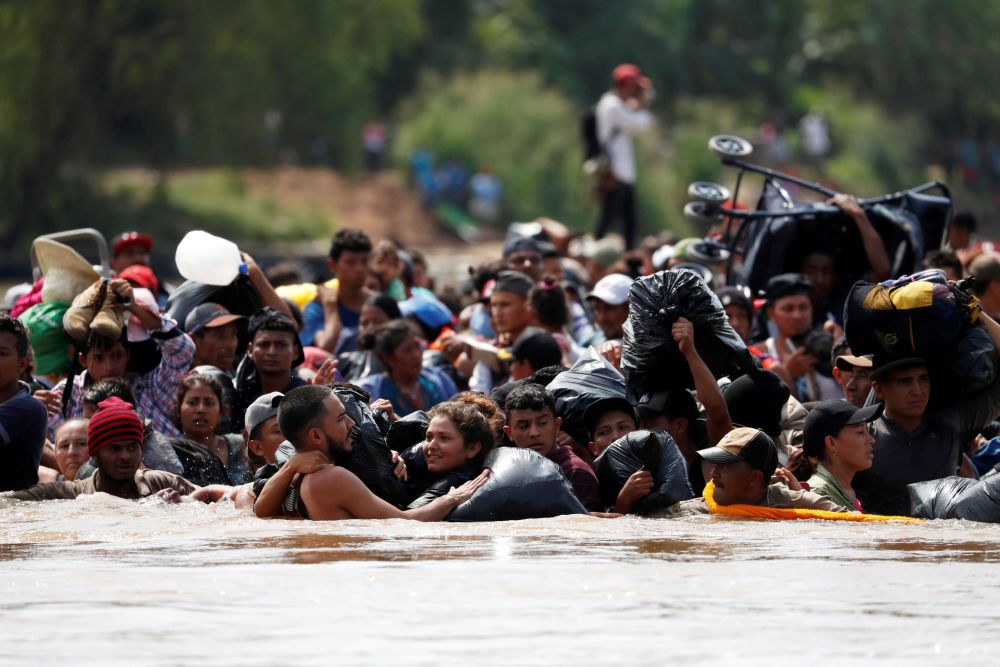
x=529, y=397
x=302, y=409
x=349, y=240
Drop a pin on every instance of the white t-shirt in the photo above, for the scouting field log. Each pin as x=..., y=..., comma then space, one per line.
x=612, y=112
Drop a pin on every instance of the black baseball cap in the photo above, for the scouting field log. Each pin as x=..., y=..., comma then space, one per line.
x=536, y=346
x=828, y=417
x=745, y=444
x=602, y=406
x=671, y=403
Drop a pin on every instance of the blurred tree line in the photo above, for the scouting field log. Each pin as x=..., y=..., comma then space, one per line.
x=95, y=83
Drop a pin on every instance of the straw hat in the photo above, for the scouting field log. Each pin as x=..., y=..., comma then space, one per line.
x=66, y=272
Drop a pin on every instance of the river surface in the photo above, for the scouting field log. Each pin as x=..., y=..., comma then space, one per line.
x=104, y=581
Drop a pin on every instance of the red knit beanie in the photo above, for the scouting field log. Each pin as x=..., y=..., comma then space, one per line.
x=114, y=421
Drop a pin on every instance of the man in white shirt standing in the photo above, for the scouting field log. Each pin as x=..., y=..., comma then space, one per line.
x=620, y=113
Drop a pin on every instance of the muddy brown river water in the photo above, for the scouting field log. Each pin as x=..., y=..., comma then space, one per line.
x=103, y=581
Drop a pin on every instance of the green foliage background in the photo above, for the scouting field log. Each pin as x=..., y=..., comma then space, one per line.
x=93, y=84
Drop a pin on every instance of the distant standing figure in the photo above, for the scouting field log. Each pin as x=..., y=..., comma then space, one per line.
x=485, y=191
x=620, y=113
x=373, y=142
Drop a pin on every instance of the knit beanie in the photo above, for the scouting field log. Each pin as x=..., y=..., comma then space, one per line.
x=114, y=421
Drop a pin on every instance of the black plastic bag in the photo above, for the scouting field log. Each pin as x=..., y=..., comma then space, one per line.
x=590, y=379
x=654, y=451
x=650, y=358
x=523, y=484
x=439, y=486
x=408, y=431
x=371, y=458
x=957, y=498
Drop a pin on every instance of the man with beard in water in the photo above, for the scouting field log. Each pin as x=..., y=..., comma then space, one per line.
x=314, y=420
x=114, y=438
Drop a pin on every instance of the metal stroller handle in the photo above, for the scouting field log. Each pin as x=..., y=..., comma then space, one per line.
x=83, y=234
x=757, y=169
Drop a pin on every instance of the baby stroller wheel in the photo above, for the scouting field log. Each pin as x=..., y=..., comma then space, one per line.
x=709, y=193
x=726, y=145
x=700, y=212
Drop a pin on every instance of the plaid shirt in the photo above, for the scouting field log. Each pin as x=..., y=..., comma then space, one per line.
x=155, y=391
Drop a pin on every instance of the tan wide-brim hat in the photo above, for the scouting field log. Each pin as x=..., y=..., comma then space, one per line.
x=66, y=272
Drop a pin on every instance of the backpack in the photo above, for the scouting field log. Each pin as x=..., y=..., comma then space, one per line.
x=588, y=132
x=596, y=163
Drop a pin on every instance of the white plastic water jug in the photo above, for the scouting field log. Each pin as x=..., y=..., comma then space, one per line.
x=208, y=259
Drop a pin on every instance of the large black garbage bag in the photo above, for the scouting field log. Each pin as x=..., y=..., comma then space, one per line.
x=654, y=451
x=650, y=358
x=238, y=298
x=371, y=458
x=523, y=484
x=590, y=379
x=438, y=486
x=957, y=498
x=408, y=431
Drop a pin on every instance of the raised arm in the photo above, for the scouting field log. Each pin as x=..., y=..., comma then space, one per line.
x=262, y=286
x=329, y=335
x=878, y=258
x=717, y=414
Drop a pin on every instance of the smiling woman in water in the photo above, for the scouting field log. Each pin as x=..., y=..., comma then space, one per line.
x=458, y=438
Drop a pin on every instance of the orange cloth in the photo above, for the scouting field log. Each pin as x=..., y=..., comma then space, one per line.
x=758, y=512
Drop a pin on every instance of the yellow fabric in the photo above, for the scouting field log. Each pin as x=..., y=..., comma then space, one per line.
x=302, y=293
x=919, y=294
x=757, y=512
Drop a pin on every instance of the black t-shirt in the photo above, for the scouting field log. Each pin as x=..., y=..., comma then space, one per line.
x=201, y=467
x=23, y=421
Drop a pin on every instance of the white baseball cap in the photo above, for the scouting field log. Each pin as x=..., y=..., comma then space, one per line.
x=612, y=289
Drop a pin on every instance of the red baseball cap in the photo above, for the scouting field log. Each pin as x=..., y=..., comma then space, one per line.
x=126, y=239
x=141, y=276
x=629, y=73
